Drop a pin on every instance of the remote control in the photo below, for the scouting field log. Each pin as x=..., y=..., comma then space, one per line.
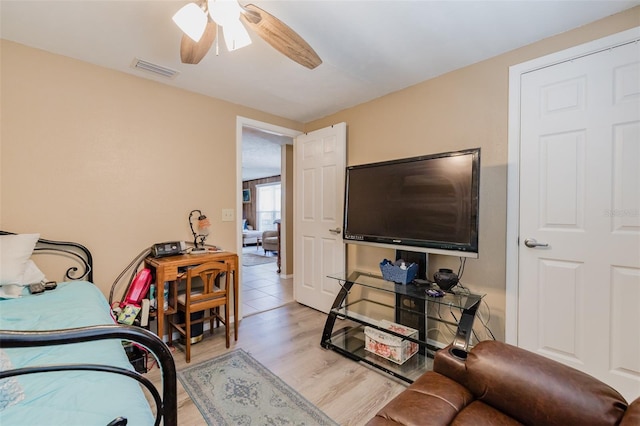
x=36, y=288
x=435, y=292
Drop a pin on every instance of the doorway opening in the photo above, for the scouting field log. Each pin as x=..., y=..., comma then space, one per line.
x=264, y=183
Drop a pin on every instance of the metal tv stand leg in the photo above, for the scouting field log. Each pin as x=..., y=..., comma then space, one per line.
x=331, y=318
x=465, y=328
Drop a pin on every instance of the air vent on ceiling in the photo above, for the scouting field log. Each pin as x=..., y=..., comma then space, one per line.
x=154, y=69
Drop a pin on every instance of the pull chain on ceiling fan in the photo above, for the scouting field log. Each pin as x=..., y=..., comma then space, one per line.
x=200, y=23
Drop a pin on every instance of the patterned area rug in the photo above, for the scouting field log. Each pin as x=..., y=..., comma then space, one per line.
x=235, y=389
x=250, y=259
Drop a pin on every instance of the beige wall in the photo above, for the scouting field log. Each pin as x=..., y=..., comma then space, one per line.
x=112, y=160
x=462, y=109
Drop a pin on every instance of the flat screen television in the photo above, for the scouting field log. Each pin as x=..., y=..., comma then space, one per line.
x=426, y=204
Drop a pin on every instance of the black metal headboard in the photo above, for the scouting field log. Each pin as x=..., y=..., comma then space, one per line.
x=77, y=251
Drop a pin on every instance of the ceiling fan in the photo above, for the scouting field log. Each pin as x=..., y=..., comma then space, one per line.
x=201, y=22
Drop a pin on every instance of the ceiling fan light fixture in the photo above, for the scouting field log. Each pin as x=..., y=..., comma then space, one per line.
x=224, y=12
x=233, y=18
x=192, y=20
x=236, y=36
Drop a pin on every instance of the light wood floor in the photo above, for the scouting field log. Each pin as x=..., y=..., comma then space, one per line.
x=287, y=341
x=262, y=287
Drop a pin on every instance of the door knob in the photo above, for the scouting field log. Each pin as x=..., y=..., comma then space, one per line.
x=532, y=243
x=336, y=230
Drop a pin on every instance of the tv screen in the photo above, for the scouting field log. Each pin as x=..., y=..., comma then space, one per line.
x=428, y=202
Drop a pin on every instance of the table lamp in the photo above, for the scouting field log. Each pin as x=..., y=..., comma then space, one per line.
x=202, y=227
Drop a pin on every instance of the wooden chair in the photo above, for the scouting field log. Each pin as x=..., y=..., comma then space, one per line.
x=216, y=279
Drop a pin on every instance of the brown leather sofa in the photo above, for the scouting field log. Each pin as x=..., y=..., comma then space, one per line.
x=500, y=384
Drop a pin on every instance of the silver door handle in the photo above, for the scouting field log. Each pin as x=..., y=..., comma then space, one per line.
x=336, y=230
x=532, y=243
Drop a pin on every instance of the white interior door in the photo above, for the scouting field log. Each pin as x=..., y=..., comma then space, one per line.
x=579, y=289
x=320, y=161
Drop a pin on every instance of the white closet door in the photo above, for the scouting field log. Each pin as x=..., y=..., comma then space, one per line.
x=579, y=292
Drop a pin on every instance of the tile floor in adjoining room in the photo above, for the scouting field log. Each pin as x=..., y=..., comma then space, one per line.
x=262, y=287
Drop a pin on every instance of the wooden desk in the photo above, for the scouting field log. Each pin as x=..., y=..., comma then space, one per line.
x=166, y=270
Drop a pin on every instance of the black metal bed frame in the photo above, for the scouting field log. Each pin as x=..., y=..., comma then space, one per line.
x=166, y=401
x=79, y=252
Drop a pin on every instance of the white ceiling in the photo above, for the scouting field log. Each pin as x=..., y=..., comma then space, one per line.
x=261, y=153
x=368, y=48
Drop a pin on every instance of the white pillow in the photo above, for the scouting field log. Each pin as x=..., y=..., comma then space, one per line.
x=10, y=291
x=32, y=274
x=15, y=251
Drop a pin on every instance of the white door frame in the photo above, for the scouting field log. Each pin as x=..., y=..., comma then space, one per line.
x=248, y=122
x=513, y=162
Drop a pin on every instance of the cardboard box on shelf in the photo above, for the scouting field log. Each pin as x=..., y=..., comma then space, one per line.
x=393, y=348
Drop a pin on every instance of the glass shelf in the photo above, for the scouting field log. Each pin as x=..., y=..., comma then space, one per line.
x=349, y=341
x=366, y=300
x=456, y=299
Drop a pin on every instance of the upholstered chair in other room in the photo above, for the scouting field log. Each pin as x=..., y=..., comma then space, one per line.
x=270, y=241
x=214, y=293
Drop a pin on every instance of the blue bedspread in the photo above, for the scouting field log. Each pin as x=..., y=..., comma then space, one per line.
x=70, y=398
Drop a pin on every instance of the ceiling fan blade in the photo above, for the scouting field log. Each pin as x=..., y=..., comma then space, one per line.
x=191, y=52
x=280, y=36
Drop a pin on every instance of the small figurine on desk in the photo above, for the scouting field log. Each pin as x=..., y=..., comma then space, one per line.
x=201, y=235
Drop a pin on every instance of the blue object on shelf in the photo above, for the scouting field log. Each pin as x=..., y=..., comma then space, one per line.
x=391, y=272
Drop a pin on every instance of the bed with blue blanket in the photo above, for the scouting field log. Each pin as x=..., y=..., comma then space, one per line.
x=63, y=362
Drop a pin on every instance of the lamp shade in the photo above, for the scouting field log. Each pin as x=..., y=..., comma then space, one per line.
x=203, y=225
x=235, y=36
x=224, y=12
x=192, y=20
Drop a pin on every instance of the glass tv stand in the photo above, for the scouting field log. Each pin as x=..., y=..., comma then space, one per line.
x=366, y=300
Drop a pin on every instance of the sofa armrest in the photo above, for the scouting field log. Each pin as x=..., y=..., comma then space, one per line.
x=451, y=366
x=537, y=390
x=632, y=415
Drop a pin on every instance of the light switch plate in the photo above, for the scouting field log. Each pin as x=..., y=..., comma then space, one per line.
x=228, y=215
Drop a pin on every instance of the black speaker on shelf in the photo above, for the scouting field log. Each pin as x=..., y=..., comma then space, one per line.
x=410, y=311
